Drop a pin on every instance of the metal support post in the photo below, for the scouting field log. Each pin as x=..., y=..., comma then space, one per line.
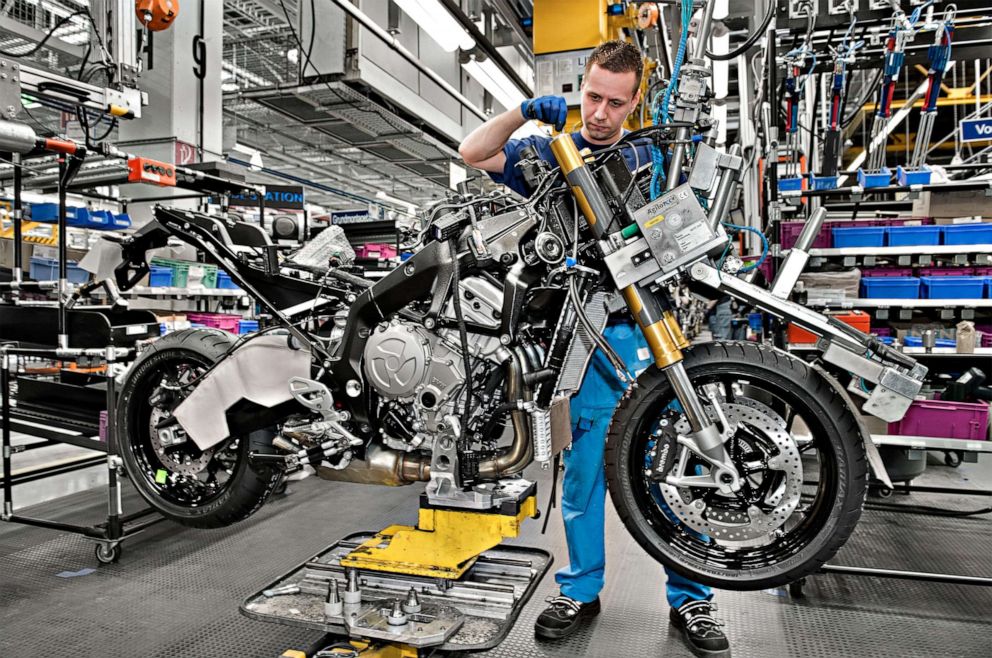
x=18, y=214
x=63, y=338
x=8, y=503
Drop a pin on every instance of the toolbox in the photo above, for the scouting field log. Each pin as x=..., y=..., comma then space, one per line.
x=857, y=319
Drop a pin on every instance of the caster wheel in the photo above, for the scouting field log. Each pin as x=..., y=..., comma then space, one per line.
x=884, y=492
x=796, y=588
x=952, y=458
x=280, y=489
x=108, y=554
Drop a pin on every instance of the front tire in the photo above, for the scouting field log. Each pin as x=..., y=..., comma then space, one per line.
x=200, y=489
x=828, y=508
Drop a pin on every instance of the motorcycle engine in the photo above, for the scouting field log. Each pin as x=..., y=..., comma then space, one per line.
x=420, y=374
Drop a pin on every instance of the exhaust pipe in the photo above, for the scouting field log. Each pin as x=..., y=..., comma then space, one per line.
x=520, y=453
x=381, y=466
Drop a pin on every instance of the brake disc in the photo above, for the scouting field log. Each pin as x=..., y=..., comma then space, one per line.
x=780, y=454
x=167, y=446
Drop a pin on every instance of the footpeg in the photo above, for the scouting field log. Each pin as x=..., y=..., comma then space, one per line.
x=314, y=396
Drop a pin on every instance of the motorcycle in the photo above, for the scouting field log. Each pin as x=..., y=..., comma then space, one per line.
x=734, y=463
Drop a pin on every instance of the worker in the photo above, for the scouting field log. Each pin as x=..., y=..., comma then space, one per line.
x=610, y=92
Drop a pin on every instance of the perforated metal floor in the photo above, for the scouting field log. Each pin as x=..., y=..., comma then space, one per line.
x=176, y=591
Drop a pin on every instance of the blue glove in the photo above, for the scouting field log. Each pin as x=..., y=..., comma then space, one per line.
x=549, y=109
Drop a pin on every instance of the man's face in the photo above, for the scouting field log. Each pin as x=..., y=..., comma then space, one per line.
x=607, y=99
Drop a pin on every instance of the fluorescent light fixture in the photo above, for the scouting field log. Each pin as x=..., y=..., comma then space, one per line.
x=410, y=208
x=495, y=81
x=254, y=155
x=440, y=25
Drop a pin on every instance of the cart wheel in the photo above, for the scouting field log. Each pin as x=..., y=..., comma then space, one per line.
x=108, y=553
x=884, y=492
x=952, y=458
x=796, y=588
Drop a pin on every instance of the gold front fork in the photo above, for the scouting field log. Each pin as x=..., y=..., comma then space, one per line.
x=660, y=326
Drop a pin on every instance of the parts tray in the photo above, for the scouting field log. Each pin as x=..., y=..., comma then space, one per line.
x=490, y=595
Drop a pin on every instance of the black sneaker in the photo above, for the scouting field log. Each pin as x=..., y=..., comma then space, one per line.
x=563, y=617
x=701, y=631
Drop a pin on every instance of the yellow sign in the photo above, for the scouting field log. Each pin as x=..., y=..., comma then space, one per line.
x=657, y=219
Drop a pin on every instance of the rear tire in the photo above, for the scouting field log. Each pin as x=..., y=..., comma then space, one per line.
x=229, y=488
x=802, y=391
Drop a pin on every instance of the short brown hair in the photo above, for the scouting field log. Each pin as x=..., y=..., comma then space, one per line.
x=618, y=57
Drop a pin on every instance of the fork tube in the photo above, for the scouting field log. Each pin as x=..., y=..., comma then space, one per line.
x=590, y=198
x=652, y=313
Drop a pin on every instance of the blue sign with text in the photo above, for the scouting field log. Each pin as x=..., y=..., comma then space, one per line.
x=973, y=130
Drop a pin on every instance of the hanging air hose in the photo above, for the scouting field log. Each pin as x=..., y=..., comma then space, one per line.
x=659, y=113
x=750, y=41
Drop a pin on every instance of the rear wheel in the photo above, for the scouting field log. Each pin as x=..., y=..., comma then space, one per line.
x=209, y=488
x=795, y=442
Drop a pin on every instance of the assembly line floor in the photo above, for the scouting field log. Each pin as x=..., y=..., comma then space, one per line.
x=175, y=593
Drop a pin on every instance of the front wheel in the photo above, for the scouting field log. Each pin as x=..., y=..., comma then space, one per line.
x=794, y=440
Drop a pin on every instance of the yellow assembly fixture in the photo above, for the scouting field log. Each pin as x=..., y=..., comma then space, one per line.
x=444, y=544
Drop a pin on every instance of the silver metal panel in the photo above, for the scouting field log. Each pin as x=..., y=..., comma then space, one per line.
x=327, y=29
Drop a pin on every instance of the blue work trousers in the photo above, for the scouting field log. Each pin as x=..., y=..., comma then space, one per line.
x=583, y=497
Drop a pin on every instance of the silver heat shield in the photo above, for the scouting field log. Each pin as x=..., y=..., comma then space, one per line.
x=258, y=371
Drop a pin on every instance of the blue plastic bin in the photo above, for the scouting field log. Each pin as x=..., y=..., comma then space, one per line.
x=878, y=178
x=824, y=182
x=890, y=287
x=917, y=341
x=49, y=213
x=862, y=236
x=919, y=176
x=224, y=281
x=907, y=236
x=980, y=233
x=121, y=221
x=160, y=277
x=952, y=287
x=790, y=184
x=47, y=269
x=247, y=326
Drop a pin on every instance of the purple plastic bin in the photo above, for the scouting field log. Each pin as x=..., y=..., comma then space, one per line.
x=882, y=332
x=948, y=271
x=887, y=271
x=949, y=420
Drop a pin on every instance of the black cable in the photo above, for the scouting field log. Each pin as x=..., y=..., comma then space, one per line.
x=750, y=41
x=51, y=32
x=868, y=93
x=462, y=332
x=313, y=29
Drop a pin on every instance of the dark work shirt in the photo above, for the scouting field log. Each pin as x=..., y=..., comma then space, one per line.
x=511, y=175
